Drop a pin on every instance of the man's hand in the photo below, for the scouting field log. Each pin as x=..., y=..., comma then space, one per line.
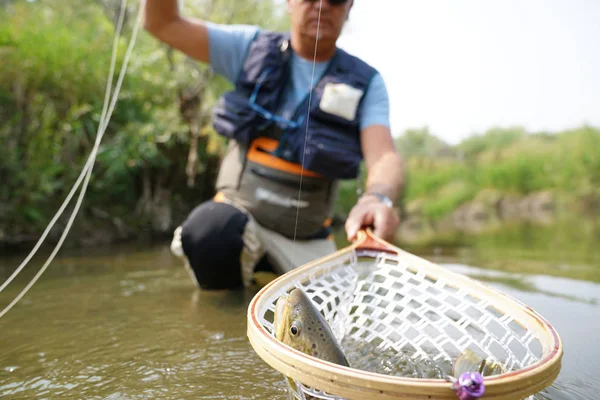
x=384, y=176
x=369, y=211
x=190, y=36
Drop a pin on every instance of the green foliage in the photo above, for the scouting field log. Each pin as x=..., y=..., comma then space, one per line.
x=448, y=198
x=420, y=142
x=493, y=140
x=55, y=63
x=508, y=160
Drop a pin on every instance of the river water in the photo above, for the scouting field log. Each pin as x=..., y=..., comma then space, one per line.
x=128, y=323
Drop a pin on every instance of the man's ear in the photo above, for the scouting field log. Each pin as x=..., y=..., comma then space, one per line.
x=349, y=9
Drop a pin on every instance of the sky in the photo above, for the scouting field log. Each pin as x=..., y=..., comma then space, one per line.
x=461, y=67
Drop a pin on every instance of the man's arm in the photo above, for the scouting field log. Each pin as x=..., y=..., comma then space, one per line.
x=385, y=177
x=384, y=168
x=190, y=36
x=383, y=163
x=223, y=46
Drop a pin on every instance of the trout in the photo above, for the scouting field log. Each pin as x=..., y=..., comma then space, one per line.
x=300, y=325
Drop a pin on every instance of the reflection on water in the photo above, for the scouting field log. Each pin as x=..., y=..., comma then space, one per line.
x=129, y=324
x=568, y=247
x=121, y=327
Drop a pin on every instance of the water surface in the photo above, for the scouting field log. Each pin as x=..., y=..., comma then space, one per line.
x=128, y=323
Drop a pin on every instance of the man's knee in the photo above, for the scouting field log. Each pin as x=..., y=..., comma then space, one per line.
x=211, y=239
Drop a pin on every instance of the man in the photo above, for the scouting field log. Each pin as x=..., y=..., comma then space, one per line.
x=289, y=147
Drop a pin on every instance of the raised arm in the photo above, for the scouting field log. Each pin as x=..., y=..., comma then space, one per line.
x=190, y=36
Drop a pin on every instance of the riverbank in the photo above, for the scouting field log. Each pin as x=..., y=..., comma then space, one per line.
x=490, y=212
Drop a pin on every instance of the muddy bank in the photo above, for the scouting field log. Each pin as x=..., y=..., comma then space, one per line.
x=93, y=228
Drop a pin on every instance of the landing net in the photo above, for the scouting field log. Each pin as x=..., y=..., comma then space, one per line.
x=402, y=321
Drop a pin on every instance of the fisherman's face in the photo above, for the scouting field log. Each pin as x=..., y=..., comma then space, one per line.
x=305, y=18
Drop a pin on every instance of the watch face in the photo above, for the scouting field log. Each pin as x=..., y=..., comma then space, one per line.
x=387, y=202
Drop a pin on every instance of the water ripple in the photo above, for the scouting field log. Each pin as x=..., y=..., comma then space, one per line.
x=124, y=327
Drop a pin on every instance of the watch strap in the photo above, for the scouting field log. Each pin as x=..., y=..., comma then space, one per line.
x=384, y=199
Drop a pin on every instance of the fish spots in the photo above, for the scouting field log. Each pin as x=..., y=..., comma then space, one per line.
x=314, y=346
x=314, y=353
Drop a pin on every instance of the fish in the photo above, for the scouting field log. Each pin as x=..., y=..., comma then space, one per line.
x=469, y=361
x=299, y=324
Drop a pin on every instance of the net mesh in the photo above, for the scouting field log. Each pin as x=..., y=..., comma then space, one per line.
x=383, y=308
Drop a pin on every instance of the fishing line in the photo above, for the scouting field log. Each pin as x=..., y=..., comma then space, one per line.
x=105, y=118
x=90, y=158
x=310, y=91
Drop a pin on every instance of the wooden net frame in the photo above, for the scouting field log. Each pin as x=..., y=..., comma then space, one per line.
x=377, y=293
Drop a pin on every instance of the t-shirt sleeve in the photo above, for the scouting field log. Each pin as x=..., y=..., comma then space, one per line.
x=228, y=46
x=375, y=108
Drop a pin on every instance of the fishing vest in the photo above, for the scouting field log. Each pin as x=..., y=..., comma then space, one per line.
x=285, y=172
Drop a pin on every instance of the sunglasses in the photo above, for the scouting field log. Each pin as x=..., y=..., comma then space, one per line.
x=331, y=2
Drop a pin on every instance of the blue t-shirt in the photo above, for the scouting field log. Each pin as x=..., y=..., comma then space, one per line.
x=228, y=47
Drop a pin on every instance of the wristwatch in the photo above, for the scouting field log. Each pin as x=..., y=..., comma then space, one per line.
x=384, y=199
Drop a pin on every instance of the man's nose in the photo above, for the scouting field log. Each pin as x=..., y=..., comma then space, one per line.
x=323, y=4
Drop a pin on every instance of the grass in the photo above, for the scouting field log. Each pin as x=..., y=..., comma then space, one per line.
x=565, y=162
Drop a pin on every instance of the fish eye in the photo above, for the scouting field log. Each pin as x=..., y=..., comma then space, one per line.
x=296, y=328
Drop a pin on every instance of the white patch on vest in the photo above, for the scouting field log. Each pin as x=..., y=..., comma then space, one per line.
x=340, y=99
x=274, y=198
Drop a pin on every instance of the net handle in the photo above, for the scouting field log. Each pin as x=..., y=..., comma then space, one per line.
x=367, y=241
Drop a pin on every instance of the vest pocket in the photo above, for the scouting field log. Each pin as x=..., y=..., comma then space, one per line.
x=332, y=145
x=233, y=118
x=274, y=198
x=330, y=151
x=334, y=157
